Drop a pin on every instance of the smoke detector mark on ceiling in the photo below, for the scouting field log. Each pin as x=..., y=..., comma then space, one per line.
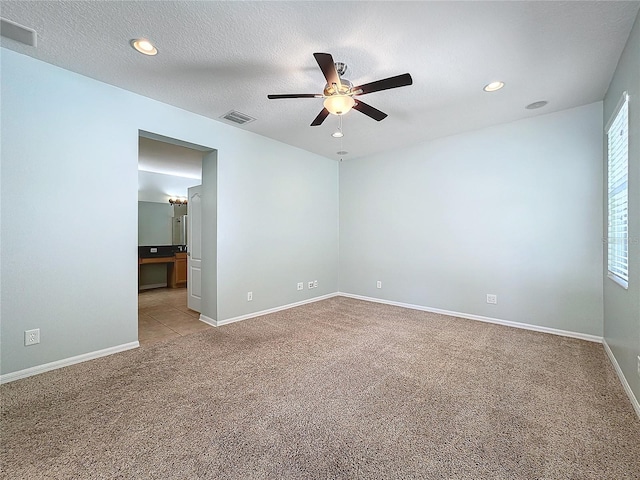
x=534, y=105
x=18, y=32
x=237, y=117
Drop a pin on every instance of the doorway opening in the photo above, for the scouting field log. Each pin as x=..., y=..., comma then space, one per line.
x=169, y=287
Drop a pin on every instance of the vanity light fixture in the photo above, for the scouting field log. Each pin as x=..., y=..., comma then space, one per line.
x=493, y=86
x=178, y=201
x=144, y=46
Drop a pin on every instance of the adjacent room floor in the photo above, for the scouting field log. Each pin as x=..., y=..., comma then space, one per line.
x=163, y=314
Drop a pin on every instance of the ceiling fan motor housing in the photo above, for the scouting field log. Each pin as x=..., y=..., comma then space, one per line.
x=344, y=88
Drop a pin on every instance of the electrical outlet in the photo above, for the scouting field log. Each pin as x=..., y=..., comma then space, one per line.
x=31, y=337
x=493, y=299
x=249, y=296
x=310, y=284
x=300, y=286
x=378, y=284
x=315, y=283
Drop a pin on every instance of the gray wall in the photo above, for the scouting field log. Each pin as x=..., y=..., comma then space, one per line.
x=154, y=223
x=209, y=235
x=513, y=210
x=154, y=228
x=622, y=307
x=276, y=227
x=276, y=212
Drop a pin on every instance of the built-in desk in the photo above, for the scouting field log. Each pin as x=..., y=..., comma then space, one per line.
x=176, y=268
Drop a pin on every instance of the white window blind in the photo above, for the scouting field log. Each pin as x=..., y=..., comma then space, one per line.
x=617, y=192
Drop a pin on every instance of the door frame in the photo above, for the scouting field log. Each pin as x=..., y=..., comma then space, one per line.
x=209, y=292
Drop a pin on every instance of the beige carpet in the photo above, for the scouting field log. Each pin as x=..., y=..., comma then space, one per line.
x=338, y=389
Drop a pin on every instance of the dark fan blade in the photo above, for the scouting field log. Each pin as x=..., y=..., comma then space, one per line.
x=385, y=84
x=320, y=118
x=369, y=110
x=325, y=62
x=295, y=95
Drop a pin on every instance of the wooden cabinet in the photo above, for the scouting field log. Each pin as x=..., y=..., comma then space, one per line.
x=180, y=269
x=176, y=268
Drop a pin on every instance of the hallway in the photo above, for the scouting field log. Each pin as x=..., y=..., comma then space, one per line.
x=163, y=315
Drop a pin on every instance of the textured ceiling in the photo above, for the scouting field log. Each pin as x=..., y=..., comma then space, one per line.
x=221, y=56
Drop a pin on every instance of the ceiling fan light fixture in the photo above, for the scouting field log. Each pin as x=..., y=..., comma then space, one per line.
x=144, y=46
x=493, y=86
x=339, y=104
x=338, y=92
x=337, y=134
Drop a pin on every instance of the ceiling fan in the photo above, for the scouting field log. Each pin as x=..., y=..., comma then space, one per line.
x=339, y=92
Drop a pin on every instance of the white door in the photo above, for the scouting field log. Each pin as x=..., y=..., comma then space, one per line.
x=194, y=247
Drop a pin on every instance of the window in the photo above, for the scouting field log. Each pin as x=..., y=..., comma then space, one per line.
x=618, y=193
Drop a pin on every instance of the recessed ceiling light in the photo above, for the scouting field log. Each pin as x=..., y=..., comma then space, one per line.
x=342, y=152
x=337, y=134
x=534, y=105
x=493, y=86
x=144, y=46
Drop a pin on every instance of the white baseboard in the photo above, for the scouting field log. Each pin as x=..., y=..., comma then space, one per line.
x=508, y=323
x=623, y=379
x=219, y=323
x=152, y=285
x=208, y=320
x=525, y=326
x=10, y=377
x=65, y=362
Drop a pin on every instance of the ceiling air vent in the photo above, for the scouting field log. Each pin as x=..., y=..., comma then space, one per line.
x=237, y=117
